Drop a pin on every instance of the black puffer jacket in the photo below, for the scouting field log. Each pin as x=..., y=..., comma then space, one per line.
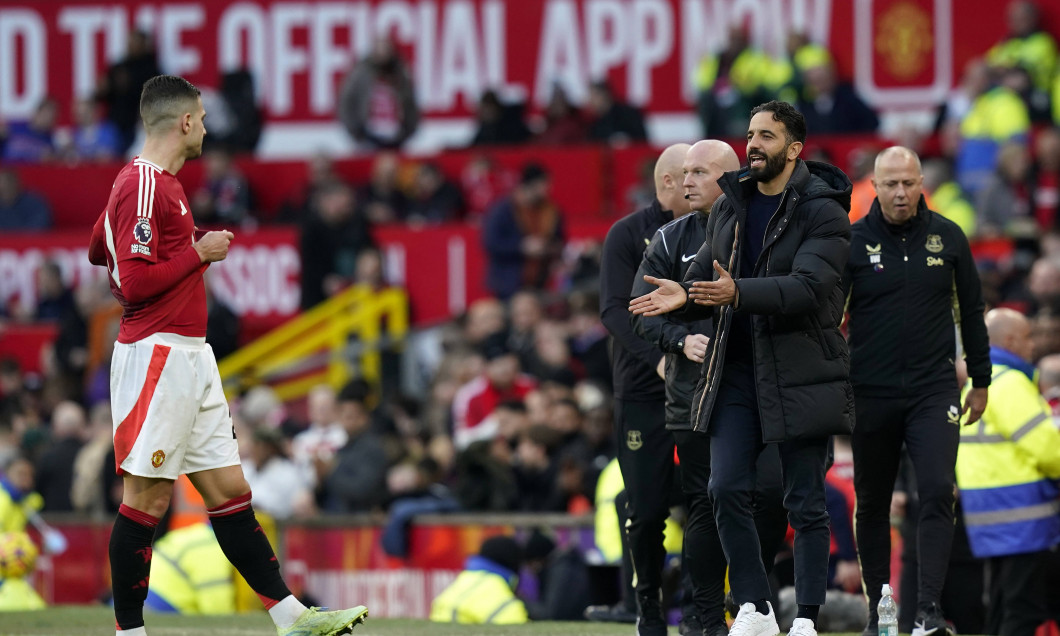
x=801, y=361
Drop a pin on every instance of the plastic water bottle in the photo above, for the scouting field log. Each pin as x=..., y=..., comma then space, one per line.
x=888, y=613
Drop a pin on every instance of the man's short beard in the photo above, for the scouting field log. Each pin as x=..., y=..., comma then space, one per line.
x=774, y=166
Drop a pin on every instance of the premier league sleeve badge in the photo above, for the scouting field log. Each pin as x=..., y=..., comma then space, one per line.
x=142, y=231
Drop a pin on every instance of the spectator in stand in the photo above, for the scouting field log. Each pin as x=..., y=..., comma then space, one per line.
x=282, y=492
x=1027, y=46
x=996, y=115
x=225, y=197
x=54, y=298
x=313, y=449
x=501, y=381
x=320, y=174
x=21, y=209
x=1049, y=382
x=563, y=122
x=484, y=182
x=612, y=120
x=378, y=101
x=947, y=198
x=120, y=87
x=435, y=199
x=589, y=338
x=19, y=499
x=527, y=313
x=87, y=494
x=1007, y=469
x=381, y=198
x=1004, y=203
x=499, y=123
x=94, y=138
x=485, y=317
x=1046, y=334
x=786, y=78
x=222, y=324
x=551, y=360
x=831, y=106
x=728, y=83
x=33, y=141
x=860, y=171
x=55, y=466
x=1044, y=285
x=536, y=471
x=356, y=481
x=1046, y=178
x=523, y=235
x=332, y=236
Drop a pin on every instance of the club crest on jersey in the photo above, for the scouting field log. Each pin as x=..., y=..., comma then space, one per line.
x=875, y=253
x=142, y=231
x=934, y=243
x=158, y=458
x=634, y=440
x=954, y=414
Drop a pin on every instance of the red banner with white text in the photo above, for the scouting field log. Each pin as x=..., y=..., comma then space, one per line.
x=901, y=52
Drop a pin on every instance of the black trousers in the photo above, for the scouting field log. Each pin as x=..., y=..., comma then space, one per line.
x=922, y=423
x=735, y=448
x=703, y=554
x=1017, y=594
x=646, y=458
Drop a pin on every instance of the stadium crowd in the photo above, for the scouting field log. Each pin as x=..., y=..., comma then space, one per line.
x=509, y=406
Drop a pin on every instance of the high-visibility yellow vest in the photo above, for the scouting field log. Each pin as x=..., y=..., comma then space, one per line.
x=17, y=595
x=949, y=201
x=14, y=515
x=479, y=597
x=998, y=115
x=1035, y=53
x=191, y=574
x=1007, y=464
x=606, y=531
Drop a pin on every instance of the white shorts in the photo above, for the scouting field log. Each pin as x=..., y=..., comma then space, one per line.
x=170, y=413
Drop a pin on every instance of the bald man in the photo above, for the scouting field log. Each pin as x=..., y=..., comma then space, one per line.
x=645, y=447
x=908, y=268
x=1006, y=470
x=669, y=256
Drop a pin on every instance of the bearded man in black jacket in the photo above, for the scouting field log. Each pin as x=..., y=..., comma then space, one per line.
x=777, y=369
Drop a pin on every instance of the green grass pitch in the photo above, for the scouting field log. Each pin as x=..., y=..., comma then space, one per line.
x=99, y=621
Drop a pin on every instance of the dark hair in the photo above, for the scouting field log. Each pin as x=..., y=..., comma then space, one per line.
x=356, y=390
x=165, y=97
x=785, y=113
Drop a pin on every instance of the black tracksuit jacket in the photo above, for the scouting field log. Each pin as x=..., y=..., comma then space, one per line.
x=669, y=255
x=906, y=286
x=633, y=359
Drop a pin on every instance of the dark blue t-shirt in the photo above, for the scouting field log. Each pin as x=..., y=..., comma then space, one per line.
x=760, y=210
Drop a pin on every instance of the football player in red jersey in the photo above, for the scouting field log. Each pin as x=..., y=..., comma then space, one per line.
x=170, y=413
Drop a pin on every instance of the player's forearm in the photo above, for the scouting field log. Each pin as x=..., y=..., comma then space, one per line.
x=97, y=249
x=142, y=280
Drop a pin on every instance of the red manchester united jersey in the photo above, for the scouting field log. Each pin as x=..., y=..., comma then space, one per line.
x=155, y=273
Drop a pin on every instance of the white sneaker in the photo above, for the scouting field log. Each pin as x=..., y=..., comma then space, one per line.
x=802, y=627
x=750, y=622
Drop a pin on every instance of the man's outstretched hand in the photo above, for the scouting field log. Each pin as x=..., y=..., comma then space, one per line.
x=668, y=297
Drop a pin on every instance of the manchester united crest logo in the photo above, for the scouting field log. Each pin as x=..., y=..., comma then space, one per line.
x=157, y=458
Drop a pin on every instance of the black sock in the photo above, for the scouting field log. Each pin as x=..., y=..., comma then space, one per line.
x=246, y=546
x=762, y=607
x=130, y=564
x=809, y=611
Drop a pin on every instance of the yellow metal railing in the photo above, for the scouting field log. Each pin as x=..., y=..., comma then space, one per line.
x=312, y=348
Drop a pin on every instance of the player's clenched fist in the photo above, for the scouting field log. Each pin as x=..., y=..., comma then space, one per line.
x=213, y=246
